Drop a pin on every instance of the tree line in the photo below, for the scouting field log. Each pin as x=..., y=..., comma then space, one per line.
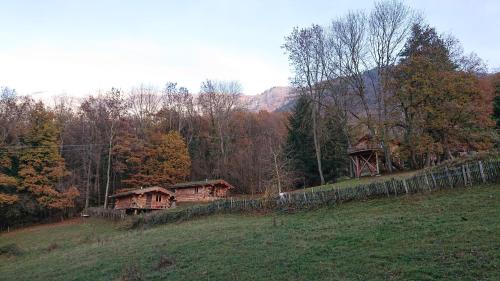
x=63, y=156
x=387, y=75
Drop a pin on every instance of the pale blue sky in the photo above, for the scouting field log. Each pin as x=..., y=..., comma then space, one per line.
x=78, y=47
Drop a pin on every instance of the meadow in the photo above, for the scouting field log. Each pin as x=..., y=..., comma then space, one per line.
x=445, y=235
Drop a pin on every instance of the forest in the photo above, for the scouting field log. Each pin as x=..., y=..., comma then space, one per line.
x=385, y=74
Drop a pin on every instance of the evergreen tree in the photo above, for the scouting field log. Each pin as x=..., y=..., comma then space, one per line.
x=334, y=158
x=300, y=144
x=496, y=105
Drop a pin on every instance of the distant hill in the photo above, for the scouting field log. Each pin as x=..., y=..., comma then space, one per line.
x=282, y=99
x=274, y=99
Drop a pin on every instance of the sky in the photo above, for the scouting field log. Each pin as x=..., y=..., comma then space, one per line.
x=76, y=48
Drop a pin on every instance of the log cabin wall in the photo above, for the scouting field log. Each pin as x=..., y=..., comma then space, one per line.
x=139, y=201
x=123, y=202
x=200, y=193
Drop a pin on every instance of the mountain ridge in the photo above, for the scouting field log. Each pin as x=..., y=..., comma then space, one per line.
x=276, y=98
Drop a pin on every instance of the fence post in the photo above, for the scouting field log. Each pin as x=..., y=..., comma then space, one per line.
x=405, y=185
x=448, y=176
x=464, y=175
x=481, y=171
x=427, y=181
x=469, y=175
x=433, y=180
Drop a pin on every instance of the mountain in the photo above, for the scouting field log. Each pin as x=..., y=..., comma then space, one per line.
x=282, y=99
x=274, y=99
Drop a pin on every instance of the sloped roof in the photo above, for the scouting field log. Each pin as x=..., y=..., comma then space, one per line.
x=201, y=183
x=142, y=191
x=365, y=143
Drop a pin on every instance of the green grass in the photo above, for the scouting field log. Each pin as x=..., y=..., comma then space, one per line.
x=447, y=235
x=355, y=181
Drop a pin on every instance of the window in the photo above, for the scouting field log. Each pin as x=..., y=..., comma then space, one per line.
x=158, y=198
x=196, y=190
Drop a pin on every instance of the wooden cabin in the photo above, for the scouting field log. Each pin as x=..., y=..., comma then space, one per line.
x=144, y=199
x=201, y=191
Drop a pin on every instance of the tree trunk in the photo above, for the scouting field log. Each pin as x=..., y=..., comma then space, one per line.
x=317, y=146
x=109, y=170
x=97, y=185
x=87, y=188
x=277, y=170
x=387, y=156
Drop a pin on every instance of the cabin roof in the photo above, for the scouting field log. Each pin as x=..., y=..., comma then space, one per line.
x=142, y=191
x=201, y=183
x=364, y=144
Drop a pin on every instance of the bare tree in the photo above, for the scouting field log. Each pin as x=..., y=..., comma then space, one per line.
x=217, y=100
x=115, y=107
x=306, y=54
x=390, y=24
x=143, y=102
x=349, y=42
x=178, y=105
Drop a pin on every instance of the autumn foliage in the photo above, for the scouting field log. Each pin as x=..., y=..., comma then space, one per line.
x=161, y=161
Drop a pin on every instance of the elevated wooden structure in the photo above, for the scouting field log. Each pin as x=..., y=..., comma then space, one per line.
x=365, y=157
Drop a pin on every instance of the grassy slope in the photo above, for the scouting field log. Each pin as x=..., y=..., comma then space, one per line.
x=355, y=181
x=452, y=235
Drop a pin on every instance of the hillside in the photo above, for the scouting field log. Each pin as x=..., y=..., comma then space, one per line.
x=282, y=98
x=452, y=234
x=273, y=99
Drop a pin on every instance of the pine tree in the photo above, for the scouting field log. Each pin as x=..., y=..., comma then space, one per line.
x=41, y=167
x=300, y=144
x=335, y=156
x=496, y=104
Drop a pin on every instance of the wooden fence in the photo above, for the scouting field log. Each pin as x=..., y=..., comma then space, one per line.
x=111, y=214
x=465, y=175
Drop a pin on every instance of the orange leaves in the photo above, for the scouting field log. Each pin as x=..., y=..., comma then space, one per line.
x=162, y=159
x=41, y=167
x=7, y=199
x=7, y=180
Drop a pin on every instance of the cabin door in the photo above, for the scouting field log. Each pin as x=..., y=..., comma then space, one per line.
x=148, y=200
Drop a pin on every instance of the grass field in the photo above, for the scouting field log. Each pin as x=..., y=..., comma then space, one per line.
x=450, y=235
x=356, y=181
